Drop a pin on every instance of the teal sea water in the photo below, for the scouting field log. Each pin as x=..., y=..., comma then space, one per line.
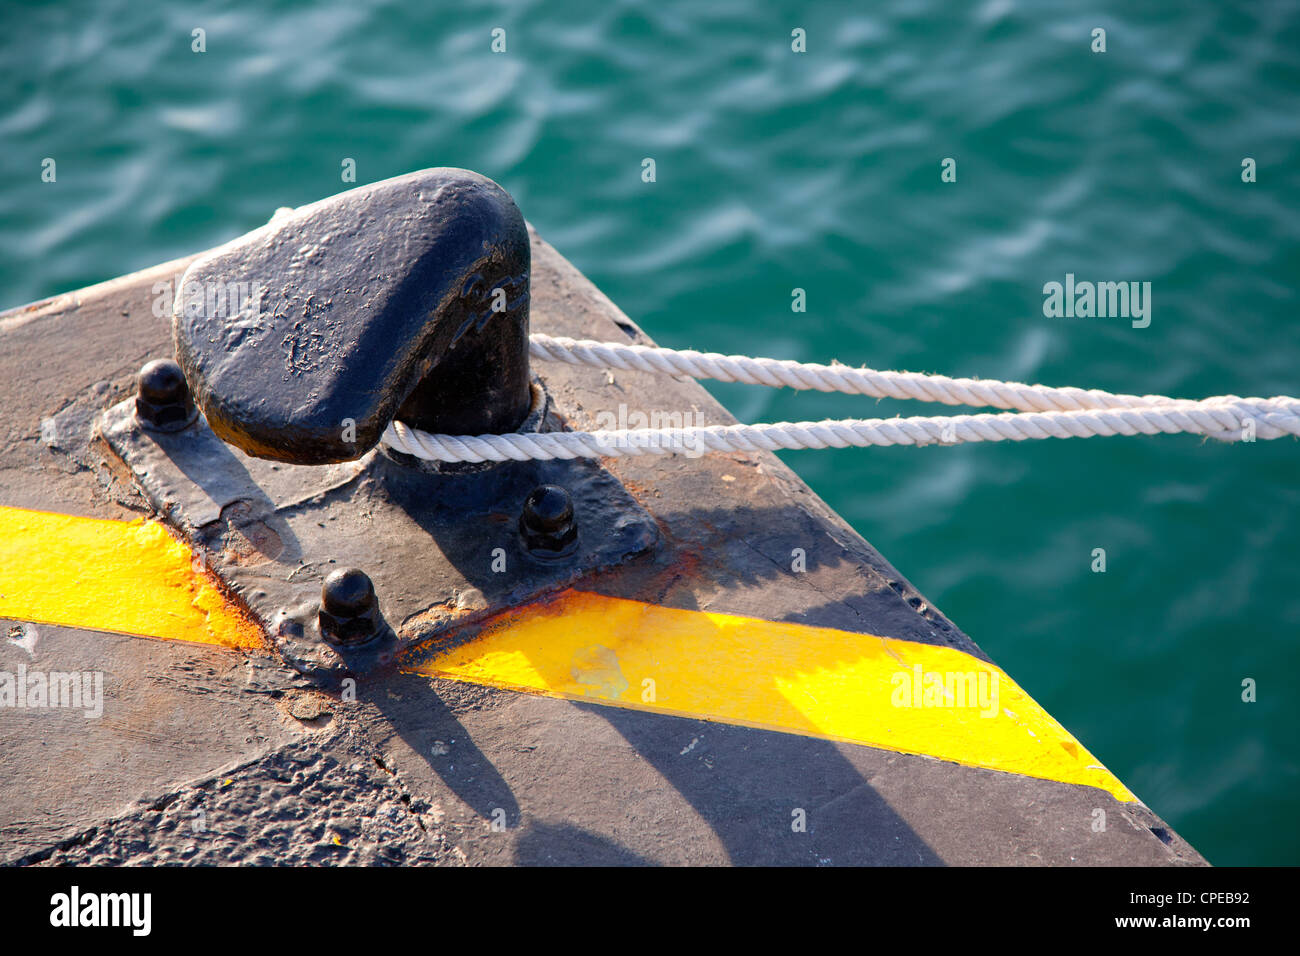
x=777, y=170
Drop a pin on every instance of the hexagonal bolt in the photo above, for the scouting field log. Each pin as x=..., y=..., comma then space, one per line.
x=349, y=612
x=546, y=524
x=162, y=400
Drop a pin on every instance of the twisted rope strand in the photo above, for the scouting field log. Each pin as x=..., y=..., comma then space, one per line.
x=778, y=373
x=1224, y=418
x=1042, y=411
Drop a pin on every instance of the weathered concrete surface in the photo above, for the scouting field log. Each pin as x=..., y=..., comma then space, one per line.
x=572, y=782
x=323, y=800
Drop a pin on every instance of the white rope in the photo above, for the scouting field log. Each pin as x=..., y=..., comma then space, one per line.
x=833, y=378
x=1224, y=418
x=1045, y=412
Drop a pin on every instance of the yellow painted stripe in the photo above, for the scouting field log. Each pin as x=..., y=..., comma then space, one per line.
x=816, y=681
x=131, y=577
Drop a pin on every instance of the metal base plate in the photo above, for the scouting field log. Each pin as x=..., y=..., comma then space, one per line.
x=443, y=550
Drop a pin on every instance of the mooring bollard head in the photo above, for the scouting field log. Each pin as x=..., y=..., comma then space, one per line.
x=404, y=299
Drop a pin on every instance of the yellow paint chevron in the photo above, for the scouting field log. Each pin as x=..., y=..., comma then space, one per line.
x=857, y=688
x=131, y=577
x=135, y=578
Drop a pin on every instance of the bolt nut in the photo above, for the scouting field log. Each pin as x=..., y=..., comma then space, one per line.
x=162, y=400
x=349, y=613
x=546, y=524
